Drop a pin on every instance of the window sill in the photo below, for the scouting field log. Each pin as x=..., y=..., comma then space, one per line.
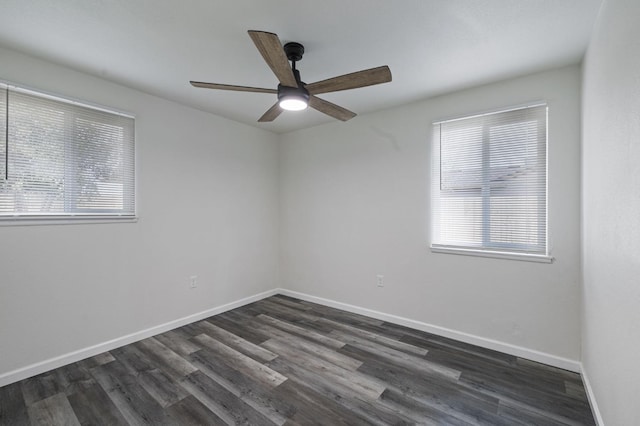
x=63, y=220
x=493, y=254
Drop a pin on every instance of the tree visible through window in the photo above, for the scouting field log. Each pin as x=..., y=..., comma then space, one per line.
x=490, y=182
x=64, y=159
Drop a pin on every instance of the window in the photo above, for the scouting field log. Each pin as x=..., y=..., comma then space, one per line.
x=489, y=194
x=61, y=160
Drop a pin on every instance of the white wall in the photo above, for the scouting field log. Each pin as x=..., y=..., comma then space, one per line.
x=611, y=212
x=208, y=205
x=355, y=203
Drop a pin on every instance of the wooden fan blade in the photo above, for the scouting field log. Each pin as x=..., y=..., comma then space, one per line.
x=231, y=87
x=330, y=109
x=271, y=114
x=270, y=48
x=351, y=81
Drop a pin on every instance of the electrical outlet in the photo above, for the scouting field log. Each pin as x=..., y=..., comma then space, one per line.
x=193, y=281
x=380, y=280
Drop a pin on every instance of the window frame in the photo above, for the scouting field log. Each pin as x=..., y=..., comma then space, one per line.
x=488, y=248
x=78, y=216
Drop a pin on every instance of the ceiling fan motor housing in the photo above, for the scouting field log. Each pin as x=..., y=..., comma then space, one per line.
x=299, y=92
x=286, y=91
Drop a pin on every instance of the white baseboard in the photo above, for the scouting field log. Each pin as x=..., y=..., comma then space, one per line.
x=591, y=396
x=59, y=361
x=533, y=355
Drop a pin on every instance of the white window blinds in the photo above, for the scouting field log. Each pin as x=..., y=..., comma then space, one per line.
x=63, y=159
x=490, y=182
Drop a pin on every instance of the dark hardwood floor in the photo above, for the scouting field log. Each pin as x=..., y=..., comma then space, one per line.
x=284, y=361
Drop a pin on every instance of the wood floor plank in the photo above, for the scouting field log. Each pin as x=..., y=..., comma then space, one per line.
x=381, y=330
x=167, y=359
x=421, y=413
x=356, y=382
x=391, y=343
x=222, y=402
x=235, y=326
x=538, y=368
x=341, y=315
x=39, y=387
x=315, y=326
x=366, y=409
x=193, y=329
x=546, y=373
x=431, y=341
x=286, y=313
x=251, y=350
x=241, y=362
x=190, y=411
x=250, y=310
x=93, y=406
x=452, y=407
x=313, y=408
x=411, y=361
x=300, y=331
x=469, y=363
x=245, y=387
x=135, y=404
x=96, y=360
x=177, y=342
x=133, y=360
x=551, y=402
x=311, y=348
x=73, y=378
x=434, y=392
x=161, y=387
x=575, y=390
x=292, y=303
x=473, y=349
x=522, y=414
x=54, y=410
x=13, y=410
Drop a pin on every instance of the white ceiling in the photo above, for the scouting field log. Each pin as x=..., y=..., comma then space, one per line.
x=431, y=46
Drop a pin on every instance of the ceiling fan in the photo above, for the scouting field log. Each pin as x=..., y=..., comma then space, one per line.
x=293, y=93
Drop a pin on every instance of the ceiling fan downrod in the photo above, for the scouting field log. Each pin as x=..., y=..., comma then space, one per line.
x=293, y=98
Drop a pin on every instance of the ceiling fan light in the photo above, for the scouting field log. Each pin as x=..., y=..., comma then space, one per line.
x=293, y=103
x=293, y=98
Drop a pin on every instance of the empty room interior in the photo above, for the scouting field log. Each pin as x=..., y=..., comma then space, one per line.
x=447, y=233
